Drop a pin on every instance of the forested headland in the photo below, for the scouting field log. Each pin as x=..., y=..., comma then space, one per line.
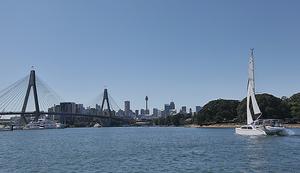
x=234, y=111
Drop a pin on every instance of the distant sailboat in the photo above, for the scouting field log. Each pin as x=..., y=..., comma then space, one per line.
x=259, y=126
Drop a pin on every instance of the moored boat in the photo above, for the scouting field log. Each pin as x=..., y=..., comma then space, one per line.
x=97, y=125
x=42, y=123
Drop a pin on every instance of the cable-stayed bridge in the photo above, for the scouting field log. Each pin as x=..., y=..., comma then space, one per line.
x=30, y=98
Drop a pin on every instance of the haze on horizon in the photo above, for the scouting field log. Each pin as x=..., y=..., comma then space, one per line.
x=189, y=52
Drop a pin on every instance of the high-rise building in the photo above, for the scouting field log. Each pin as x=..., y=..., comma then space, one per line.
x=143, y=111
x=136, y=112
x=127, y=106
x=120, y=113
x=167, y=109
x=183, y=110
x=67, y=107
x=79, y=108
x=172, y=105
x=156, y=112
x=147, y=112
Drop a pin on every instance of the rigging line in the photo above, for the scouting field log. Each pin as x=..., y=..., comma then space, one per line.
x=46, y=106
x=8, y=93
x=50, y=97
x=46, y=98
x=43, y=92
x=12, y=105
x=9, y=103
x=12, y=87
x=95, y=100
x=42, y=104
x=10, y=96
x=51, y=103
x=22, y=98
x=16, y=101
x=41, y=100
x=19, y=101
x=7, y=89
x=114, y=101
x=49, y=88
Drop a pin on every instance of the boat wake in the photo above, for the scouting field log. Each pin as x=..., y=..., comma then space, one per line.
x=290, y=132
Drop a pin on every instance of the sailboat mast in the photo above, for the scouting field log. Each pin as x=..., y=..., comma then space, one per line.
x=251, y=92
x=252, y=68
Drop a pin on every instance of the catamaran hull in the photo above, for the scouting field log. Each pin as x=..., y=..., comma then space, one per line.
x=265, y=132
x=250, y=132
x=279, y=131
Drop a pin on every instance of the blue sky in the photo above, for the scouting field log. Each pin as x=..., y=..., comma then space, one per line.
x=189, y=52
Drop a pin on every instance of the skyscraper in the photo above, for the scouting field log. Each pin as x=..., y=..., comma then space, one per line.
x=167, y=109
x=183, y=110
x=172, y=105
x=156, y=112
x=127, y=107
x=136, y=112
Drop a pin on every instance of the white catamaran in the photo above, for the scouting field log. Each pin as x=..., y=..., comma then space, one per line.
x=259, y=126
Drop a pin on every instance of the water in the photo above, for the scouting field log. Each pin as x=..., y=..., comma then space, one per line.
x=138, y=150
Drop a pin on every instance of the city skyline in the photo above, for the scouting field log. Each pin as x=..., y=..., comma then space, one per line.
x=189, y=53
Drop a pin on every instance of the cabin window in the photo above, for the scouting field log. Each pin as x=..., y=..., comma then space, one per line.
x=249, y=127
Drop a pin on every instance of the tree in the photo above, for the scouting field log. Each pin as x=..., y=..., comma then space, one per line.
x=217, y=111
x=294, y=104
x=270, y=106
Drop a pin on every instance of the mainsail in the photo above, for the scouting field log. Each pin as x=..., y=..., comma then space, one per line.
x=251, y=92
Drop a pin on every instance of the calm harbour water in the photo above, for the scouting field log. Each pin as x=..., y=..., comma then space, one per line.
x=139, y=150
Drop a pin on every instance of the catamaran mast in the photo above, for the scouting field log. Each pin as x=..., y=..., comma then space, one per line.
x=251, y=92
x=252, y=68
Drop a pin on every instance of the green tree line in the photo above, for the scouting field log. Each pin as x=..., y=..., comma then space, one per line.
x=234, y=111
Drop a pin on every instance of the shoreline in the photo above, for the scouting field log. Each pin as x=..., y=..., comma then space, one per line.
x=233, y=125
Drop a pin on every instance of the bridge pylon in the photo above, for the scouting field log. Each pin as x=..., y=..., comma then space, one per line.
x=106, y=99
x=31, y=84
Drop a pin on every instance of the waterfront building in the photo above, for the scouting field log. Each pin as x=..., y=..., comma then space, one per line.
x=143, y=111
x=67, y=107
x=55, y=108
x=147, y=112
x=120, y=113
x=156, y=112
x=136, y=112
x=79, y=108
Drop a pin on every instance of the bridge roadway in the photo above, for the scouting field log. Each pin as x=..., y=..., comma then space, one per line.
x=29, y=114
